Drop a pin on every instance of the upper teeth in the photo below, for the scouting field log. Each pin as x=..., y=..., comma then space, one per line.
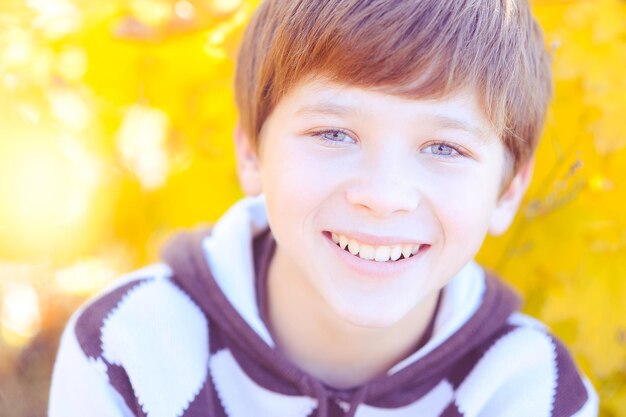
x=376, y=253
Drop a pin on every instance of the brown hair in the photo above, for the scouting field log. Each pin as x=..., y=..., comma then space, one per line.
x=417, y=48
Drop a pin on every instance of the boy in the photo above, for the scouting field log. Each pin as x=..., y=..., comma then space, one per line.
x=379, y=141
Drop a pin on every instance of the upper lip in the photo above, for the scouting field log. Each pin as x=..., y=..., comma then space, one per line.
x=378, y=240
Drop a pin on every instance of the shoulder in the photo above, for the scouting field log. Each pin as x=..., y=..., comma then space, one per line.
x=89, y=321
x=136, y=329
x=143, y=305
x=524, y=367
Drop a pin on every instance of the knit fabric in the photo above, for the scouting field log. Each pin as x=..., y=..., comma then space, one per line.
x=189, y=339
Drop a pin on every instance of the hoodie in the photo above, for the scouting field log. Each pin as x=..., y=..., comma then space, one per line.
x=190, y=338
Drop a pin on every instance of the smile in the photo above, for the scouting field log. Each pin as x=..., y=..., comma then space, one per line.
x=378, y=253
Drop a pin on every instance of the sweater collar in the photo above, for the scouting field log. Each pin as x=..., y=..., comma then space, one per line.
x=473, y=307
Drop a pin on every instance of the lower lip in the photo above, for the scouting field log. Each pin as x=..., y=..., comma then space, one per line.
x=373, y=268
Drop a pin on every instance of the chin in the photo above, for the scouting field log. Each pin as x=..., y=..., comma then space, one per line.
x=372, y=318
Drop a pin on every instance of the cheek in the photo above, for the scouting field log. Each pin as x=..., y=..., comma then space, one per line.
x=297, y=177
x=294, y=189
x=463, y=207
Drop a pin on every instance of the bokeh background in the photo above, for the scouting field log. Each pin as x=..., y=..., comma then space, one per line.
x=115, y=130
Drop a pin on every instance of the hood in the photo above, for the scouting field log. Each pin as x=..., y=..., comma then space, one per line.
x=474, y=307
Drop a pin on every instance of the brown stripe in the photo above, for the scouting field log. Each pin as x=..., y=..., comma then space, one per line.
x=88, y=330
x=463, y=367
x=185, y=255
x=498, y=303
x=119, y=380
x=452, y=411
x=333, y=409
x=205, y=403
x=404, y=395
x=570, y=394
x=264, y=247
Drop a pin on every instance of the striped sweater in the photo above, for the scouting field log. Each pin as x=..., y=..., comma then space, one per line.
x=188, y=338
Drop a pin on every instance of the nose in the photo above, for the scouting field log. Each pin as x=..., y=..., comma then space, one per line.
x=383, y=187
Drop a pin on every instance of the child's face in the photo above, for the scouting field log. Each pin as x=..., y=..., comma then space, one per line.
x=386, y=172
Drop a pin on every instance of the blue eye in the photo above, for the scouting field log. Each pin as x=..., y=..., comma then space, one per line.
x=443, y=150
x=334, y=137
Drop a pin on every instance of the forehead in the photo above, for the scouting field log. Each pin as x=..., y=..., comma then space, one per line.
x=320, y=98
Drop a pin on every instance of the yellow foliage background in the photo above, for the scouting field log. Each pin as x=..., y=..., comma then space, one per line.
x=116, y=127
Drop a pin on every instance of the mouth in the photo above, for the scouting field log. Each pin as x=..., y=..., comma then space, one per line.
x=390, y=253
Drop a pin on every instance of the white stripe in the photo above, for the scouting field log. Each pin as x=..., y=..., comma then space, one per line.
x=160, y=337
x=516, y=377
x=80, y=386
x=229, y=253
x=242, y=397
x=522, y=320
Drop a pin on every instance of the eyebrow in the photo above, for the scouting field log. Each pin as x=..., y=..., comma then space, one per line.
x=446, y=122
x=329, y=109
x=442, y=121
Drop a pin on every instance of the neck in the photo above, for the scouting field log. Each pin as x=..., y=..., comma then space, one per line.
x=317, y=340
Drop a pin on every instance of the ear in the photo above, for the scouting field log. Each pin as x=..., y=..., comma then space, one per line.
x=247, y=163
x=510, y=199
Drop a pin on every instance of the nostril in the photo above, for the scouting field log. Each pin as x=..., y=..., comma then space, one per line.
x=384, y=199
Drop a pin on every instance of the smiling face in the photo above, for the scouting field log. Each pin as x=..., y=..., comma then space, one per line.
x=377, y=201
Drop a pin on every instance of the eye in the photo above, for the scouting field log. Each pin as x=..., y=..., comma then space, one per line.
x=334, y=137
x=444, y=150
